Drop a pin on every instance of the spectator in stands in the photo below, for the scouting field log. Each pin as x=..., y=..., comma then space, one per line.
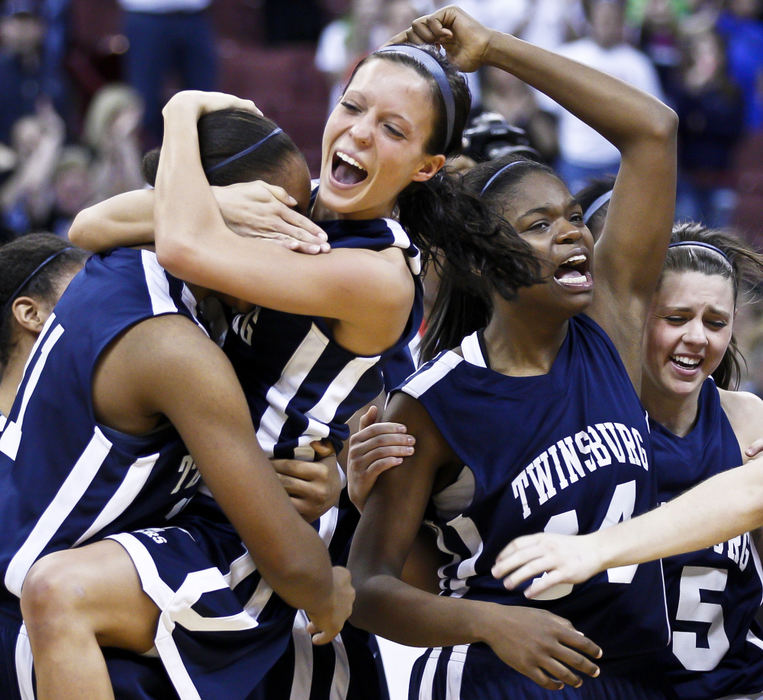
x=111, y=131
x=710, y=108
x=583, y=153
x=72, y=189
x=29, y=71
x=26, y=194
x=741, y=26
x=168, y=38
x=658, y=29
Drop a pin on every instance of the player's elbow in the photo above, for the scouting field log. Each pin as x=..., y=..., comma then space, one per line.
x=83, y=229
x=175, y=252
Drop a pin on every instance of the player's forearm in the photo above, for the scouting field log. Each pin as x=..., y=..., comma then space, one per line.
x=302, y=575
x=185, y=211
x=123, y=220
x=386, y=606
x=714, y=511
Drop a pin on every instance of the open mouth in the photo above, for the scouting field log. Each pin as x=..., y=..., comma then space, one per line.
x=346, y=170
x=574, y=272
x=686, y=362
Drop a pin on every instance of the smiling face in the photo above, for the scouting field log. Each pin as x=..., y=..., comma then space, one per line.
x=374, y=141
x=687, y=332
x=544, y=213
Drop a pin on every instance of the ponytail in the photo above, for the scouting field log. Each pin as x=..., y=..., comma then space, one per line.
x=475, y=250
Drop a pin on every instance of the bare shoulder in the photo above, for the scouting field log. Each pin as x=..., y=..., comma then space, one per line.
x=745, y=413
x=162, y=356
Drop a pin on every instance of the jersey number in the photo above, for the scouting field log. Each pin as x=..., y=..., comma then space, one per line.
x=691, y=608
x=620, y=508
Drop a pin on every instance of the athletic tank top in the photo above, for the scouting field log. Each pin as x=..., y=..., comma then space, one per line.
x=713, y=594
x=564, y=452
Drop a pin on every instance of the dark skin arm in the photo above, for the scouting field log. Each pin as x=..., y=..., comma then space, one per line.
x=143, y=378
x=630, y=253
x=386, y=605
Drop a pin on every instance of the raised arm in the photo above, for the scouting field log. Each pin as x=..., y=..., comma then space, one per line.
x=386, y=605
x=630, y=253
x=369, y=292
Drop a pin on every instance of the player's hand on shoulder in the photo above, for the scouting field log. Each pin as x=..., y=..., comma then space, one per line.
x=261, y=210
x=374, y=449
x=551, y=652
x=326, y=624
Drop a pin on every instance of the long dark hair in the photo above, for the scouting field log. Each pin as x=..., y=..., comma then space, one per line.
x=741, y=265
x=18, y=260
x=228, y=132
x=483, y=260
x=452, y=226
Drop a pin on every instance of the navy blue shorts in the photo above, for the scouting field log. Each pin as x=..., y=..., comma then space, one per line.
x=132, y=676
x=470, y=672
x=220, y=625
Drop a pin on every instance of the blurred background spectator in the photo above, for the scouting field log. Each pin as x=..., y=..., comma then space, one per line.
x=84, y=81
x=582, y=153
x=31, y=59
x=710, y=108
x=167, y=39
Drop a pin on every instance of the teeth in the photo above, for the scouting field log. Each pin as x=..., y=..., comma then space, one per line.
x=685, y=360
x=580, y=279
x=350, y=160
x=575, y=260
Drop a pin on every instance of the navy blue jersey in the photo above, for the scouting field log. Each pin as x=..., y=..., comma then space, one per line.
x=302, y=386
x=64, y=478
x=300, y=383
x=564, y=452
x=713, y=594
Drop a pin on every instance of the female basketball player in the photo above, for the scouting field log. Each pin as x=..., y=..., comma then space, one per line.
x=698, y=430
x=35, y=271
x=377, y=142
x=533, y=423
x=88, y=450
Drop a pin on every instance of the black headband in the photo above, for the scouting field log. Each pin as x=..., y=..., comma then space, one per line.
x=32, y=274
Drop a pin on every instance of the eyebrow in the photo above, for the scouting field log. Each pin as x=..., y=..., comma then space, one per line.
x=687, y=309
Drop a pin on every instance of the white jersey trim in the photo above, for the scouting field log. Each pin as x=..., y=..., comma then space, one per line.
x=24, y=665
x=132, y=484
x=11, y=437
x=425, y=379
x=58, y=510
x=283, y=391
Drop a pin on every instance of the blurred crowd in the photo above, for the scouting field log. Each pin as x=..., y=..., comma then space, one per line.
x=83, y=83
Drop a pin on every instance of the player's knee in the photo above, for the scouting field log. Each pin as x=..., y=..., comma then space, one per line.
x=51, y=595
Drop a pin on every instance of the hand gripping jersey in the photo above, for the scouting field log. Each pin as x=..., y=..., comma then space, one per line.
x=564, y=452
x=301, y=386
x=713, y=594
x=66, y=480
